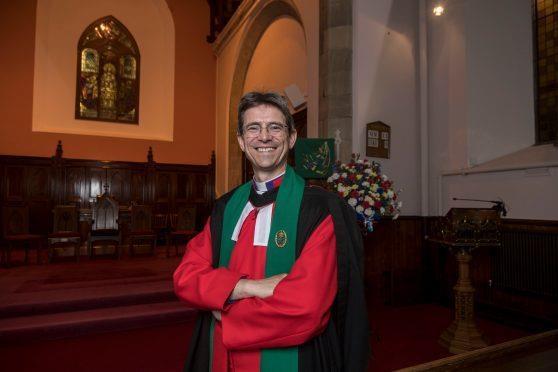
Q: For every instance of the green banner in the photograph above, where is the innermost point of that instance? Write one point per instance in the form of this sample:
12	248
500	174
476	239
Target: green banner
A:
314	157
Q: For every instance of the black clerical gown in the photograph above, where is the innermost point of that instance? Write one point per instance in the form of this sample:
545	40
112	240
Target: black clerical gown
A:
342	344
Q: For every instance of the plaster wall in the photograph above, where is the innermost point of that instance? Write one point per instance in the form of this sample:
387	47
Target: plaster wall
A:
385	37
192	69
57	35
279	59
228	54
481	111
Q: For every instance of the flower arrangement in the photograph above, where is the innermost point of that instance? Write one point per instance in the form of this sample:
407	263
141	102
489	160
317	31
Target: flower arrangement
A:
364	187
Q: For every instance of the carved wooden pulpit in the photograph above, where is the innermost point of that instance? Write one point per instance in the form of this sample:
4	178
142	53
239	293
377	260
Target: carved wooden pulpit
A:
462	230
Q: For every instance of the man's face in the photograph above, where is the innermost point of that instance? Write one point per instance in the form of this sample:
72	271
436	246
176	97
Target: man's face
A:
267	149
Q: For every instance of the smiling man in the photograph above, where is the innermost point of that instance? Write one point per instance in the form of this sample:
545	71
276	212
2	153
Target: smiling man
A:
277	270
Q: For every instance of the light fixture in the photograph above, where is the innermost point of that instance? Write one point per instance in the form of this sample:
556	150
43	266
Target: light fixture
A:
438	10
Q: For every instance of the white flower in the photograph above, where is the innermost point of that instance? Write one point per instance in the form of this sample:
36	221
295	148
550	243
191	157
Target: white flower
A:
384	177
366	184
329	179
359	208
335	176
368	212
340	188
344	175
352	202
390	194
382	210
368	171
368	199
399	204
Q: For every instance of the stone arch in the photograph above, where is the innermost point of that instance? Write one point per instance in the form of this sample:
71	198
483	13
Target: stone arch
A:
271	12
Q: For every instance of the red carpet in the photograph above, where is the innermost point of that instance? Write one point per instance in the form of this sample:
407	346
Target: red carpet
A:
121	316
408	335
158	349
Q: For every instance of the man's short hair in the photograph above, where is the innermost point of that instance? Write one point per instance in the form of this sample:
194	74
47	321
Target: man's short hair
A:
255	99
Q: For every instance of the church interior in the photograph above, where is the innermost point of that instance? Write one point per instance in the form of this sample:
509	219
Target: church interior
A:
118	132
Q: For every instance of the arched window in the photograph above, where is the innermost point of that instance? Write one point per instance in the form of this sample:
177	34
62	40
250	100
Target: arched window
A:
108	66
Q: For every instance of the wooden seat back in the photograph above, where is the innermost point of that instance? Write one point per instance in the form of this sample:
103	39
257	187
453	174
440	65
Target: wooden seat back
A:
105	213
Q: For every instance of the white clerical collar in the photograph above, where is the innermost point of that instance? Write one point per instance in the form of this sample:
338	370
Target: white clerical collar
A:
268	185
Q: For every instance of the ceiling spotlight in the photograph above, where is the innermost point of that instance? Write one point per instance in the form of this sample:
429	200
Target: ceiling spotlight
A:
438	10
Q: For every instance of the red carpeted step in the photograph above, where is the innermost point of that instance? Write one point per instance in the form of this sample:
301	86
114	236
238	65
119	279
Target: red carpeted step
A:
80	299
79	323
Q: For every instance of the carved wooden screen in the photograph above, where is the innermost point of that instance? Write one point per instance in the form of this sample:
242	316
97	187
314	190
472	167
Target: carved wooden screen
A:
546	67
108	66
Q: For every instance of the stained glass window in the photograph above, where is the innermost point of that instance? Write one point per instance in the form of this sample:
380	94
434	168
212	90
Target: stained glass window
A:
107	87
546	66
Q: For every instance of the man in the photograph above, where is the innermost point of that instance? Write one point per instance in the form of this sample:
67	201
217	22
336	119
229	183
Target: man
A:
277	269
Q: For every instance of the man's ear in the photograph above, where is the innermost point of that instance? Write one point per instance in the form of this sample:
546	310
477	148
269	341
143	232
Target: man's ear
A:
292	139
240	140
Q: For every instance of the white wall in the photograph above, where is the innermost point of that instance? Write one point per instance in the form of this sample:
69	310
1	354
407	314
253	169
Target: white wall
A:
481	110
499	59
57	35
385	39
479	103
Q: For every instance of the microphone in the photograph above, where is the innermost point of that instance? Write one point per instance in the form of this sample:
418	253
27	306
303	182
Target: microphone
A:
499	205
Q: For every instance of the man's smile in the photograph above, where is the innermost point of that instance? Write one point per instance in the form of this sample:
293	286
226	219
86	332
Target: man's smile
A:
265	149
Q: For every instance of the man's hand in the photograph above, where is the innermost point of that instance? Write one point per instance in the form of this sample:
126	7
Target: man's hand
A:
261	288
216	314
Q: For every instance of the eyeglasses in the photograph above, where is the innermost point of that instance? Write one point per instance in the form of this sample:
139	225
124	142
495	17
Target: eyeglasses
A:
274	129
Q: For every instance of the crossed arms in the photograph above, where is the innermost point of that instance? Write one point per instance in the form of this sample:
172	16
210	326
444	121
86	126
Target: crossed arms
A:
279	311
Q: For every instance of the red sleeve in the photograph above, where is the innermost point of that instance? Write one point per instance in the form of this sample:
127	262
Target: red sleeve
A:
196	282
299	308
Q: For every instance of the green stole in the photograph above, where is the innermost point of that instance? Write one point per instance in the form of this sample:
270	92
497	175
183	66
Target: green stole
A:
280	254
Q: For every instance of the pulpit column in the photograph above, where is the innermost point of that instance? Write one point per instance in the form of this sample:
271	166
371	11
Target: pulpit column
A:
463	335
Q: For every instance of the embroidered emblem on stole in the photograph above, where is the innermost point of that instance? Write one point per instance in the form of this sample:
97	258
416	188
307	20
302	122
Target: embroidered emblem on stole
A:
280	238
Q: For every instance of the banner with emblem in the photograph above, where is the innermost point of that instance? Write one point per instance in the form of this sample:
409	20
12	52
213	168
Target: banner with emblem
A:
314	157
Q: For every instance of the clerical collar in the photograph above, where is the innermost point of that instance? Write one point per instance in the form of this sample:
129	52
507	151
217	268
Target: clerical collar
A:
265	186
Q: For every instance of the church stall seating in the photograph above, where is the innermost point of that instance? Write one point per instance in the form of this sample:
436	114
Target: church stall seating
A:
64	231
183	227
141	230
15	230
41	183
161	226
104	225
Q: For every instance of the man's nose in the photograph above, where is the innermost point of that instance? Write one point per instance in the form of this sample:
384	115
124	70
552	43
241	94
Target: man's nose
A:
264	134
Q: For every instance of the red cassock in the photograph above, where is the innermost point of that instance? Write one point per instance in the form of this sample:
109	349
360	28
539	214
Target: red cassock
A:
298	310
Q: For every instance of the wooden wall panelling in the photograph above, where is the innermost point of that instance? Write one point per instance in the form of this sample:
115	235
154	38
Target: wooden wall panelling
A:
407	257
394	261
43	182
38	198
184	187
74	185
15	187
118	180
165	186
138	187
